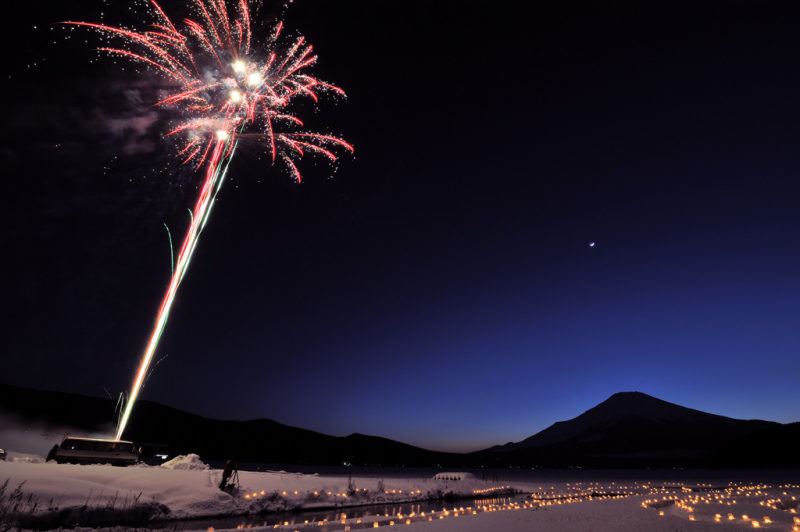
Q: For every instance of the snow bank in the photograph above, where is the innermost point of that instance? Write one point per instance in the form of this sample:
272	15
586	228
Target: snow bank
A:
188	489
23	457
189	462
177	493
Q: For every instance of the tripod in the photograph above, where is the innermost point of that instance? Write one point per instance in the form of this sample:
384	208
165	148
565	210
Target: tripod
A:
233	481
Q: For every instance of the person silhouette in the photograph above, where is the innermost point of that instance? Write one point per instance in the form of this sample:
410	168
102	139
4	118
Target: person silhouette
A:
230	467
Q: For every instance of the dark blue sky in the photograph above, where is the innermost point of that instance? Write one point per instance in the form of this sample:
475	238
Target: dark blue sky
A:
440	289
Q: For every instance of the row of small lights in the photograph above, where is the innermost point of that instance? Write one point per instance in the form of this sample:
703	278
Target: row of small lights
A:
455	512
746	491
412	492
779	504
491	490
685	504
256	494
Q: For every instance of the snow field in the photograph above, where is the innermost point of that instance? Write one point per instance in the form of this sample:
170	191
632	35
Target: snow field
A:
187	488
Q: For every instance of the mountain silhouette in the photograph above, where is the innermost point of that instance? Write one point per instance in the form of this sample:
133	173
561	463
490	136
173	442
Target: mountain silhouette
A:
631	428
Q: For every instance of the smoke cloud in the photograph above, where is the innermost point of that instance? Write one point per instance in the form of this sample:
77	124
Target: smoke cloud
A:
28	437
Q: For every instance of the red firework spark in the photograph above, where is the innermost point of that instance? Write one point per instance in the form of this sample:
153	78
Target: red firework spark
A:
225	90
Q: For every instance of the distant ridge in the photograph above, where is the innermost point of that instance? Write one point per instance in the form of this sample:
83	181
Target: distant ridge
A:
260	440
628	430
771	447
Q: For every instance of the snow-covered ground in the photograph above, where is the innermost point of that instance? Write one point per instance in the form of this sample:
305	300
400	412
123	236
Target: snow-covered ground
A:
184	488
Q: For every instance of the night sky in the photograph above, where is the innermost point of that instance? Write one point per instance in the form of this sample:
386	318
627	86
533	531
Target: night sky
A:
547	204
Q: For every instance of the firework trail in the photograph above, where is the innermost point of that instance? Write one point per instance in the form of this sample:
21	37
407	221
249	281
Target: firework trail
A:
229	89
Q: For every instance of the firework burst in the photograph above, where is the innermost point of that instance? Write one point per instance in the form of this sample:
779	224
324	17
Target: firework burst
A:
228	88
